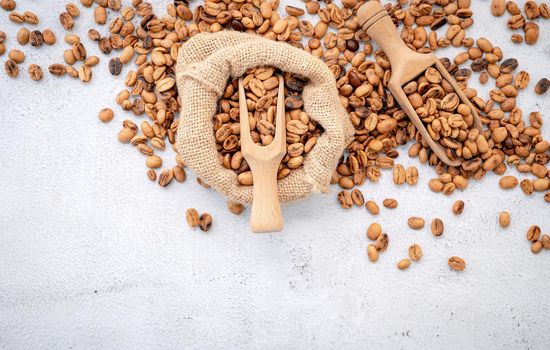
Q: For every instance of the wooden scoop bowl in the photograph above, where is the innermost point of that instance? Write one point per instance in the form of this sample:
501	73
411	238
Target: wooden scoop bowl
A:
406	65
264	163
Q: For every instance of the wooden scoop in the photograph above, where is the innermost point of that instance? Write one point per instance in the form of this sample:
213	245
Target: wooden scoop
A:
407	65
264	163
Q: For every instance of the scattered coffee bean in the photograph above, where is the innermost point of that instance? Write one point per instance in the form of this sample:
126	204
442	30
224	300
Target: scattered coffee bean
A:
437	227
416	223
374	230
415	252
390	203
192	217
542	86
115	66
504	219
372	207
533	233
458	207
456	263
35	72
372	253
205	222
11	68
235	207
106	115
404	264
57	69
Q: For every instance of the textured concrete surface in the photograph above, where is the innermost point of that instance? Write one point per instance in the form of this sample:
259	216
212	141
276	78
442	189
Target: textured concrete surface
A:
93	256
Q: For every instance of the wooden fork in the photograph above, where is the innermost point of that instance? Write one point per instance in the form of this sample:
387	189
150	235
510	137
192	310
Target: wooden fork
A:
264	163
406	65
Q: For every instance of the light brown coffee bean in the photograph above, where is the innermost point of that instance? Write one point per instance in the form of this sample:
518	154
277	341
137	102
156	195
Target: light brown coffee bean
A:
17	56
153	162
192	217
399	174
235	207
508	182
404	264
456	263
533	233
411	175
435	185
8	5
152	175
372	253
106	115
35	72
416	223
72	9
498	7
504	219
437	227
23	36
205	222
415	252
536	247
373	231
372	207
458	207
166	177
545	240
49	37
522	80
85	73
100	15
531	9
390	203
31	17
66	20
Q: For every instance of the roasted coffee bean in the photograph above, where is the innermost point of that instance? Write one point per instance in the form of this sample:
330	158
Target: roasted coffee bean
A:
205	222
372	207
542	86
437	227
415	252
11	68
504	219
533	233
458	207
66	20
23	36
115	66
235	207
36	38
49	37
403	264
35	72
192	217
372	253
415	223
57	69
373	231
456	263
390	203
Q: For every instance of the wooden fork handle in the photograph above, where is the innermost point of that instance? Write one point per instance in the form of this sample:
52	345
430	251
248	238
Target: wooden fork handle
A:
374	19
266	213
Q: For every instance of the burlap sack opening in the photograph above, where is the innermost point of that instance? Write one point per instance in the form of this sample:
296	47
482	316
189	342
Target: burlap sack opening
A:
206	63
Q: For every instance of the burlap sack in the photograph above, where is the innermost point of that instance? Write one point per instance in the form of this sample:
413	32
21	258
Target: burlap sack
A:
206	63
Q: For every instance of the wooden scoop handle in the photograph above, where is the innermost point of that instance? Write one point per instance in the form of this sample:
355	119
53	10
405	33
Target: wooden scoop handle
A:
377	23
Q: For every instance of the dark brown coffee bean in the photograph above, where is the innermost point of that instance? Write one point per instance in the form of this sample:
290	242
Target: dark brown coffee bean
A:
462	74
479	65
57	69
36	38
294	102
115	66
205	222
12	68
105	46
438	23
542	86
352	45
294	84
354	79
509	65
237	25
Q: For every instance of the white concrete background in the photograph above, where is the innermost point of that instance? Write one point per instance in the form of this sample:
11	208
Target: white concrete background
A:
94	256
